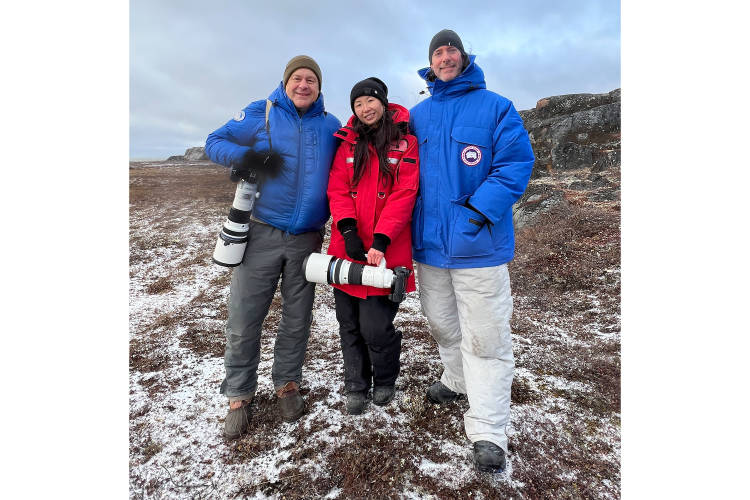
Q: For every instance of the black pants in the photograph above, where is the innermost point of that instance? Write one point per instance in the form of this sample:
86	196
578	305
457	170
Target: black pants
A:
370	344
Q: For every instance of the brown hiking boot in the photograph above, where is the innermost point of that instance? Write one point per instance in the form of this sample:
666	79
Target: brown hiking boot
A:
237	420
290	402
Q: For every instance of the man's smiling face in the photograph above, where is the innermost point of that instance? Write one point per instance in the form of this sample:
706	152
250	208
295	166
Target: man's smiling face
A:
303	88
447	62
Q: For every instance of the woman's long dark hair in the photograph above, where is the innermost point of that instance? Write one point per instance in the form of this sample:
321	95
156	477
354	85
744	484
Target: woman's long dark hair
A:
381	138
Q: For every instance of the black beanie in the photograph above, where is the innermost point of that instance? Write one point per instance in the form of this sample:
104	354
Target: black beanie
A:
369	86
446	37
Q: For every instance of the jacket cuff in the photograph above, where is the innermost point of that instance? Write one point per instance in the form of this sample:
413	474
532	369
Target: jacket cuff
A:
468	205
345	224
380	242
239	156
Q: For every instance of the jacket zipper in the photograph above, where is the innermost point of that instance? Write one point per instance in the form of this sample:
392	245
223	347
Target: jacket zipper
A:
300	172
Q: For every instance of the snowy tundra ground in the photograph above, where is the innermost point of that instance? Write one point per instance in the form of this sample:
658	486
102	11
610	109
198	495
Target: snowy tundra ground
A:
565	417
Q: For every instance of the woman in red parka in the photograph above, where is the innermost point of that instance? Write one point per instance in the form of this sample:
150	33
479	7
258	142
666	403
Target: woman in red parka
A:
371	189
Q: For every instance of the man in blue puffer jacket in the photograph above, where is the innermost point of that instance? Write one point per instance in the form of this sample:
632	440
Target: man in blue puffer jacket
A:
285	227
476	160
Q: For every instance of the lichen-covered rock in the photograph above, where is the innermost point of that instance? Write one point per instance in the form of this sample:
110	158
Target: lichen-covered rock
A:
537	199
576	141
574	131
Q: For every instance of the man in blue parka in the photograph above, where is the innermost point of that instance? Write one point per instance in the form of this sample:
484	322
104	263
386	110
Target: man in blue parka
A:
476	160
285	227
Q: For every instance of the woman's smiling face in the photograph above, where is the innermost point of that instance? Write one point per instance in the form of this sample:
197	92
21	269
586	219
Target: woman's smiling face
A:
368	109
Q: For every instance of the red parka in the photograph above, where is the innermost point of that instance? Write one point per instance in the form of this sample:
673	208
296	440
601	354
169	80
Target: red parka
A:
378	206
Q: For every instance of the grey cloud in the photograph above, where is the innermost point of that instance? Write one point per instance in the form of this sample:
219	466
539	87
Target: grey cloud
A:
194	64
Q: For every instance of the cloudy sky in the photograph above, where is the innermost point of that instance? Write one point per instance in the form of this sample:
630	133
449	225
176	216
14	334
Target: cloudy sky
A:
194	64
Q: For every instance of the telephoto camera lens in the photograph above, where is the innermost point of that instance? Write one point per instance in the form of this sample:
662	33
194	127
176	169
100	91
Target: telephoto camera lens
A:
327	269
232	240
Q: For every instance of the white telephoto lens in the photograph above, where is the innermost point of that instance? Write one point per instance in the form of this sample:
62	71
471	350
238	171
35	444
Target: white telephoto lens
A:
316	267
244	196
340	272
229	253
236	227
379	277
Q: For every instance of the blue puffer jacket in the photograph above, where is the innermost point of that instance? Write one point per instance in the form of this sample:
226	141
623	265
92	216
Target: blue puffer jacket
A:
472	147
296	200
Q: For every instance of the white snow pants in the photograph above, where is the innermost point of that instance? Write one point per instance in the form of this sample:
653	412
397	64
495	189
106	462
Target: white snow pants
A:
469	312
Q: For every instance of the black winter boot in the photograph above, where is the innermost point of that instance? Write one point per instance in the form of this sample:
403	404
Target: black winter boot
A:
438	393
488	457
355	402
383	395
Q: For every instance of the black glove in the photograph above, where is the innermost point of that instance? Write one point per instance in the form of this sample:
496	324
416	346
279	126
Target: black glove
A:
380	242
355	249
255	166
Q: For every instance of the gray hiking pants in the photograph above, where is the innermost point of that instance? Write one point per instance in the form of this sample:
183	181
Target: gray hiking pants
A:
270	254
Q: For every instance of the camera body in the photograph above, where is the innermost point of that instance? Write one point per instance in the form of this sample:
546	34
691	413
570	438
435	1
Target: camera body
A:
321	268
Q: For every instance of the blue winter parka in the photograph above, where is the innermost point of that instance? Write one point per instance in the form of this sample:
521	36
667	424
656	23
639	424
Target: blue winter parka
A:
295	201
472	148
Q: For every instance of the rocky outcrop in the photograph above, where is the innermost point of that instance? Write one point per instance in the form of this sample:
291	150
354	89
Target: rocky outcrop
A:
576	141
574	131
191	154
196	154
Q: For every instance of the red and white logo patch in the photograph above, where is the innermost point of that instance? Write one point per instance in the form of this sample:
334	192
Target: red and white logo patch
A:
400	146
471	155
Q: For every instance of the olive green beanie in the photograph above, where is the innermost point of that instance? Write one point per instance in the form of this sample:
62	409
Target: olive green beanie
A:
298	62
